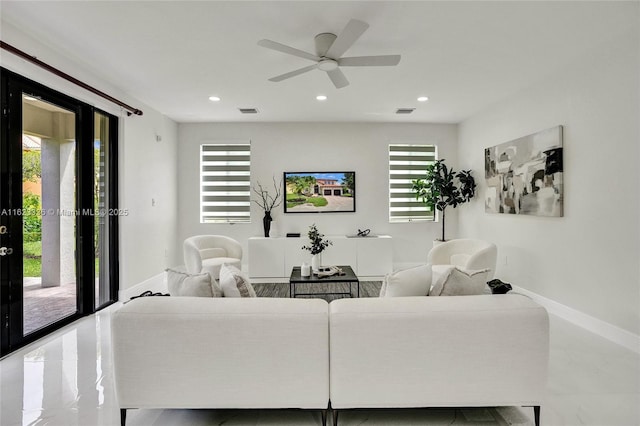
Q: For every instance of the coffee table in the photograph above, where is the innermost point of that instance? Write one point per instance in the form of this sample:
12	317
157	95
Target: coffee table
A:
348	277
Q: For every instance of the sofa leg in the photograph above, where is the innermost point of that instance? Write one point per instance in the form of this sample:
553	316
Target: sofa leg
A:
335	416
123	416
536	414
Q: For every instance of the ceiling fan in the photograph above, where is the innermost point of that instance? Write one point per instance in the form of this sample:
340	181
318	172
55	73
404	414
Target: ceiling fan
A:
329	49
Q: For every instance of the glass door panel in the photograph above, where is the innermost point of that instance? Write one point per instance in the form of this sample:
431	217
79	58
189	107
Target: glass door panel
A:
101	204
48	213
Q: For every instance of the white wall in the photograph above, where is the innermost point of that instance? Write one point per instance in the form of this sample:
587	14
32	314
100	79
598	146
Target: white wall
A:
588	259
147	168
148	189
279	147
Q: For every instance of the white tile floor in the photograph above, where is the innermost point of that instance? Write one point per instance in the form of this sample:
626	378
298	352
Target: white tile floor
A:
66	380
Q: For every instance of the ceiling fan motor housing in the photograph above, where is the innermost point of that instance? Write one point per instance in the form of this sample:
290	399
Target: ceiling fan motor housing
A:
323	43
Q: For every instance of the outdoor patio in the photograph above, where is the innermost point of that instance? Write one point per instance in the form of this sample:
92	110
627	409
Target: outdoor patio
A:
42	306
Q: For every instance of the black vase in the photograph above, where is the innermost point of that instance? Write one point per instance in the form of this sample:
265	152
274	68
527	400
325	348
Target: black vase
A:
266	222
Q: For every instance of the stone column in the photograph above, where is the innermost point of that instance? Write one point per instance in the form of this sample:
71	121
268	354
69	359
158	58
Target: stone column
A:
50	160
58	203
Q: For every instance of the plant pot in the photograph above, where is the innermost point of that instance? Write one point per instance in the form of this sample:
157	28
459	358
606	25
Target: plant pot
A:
316	262
274	230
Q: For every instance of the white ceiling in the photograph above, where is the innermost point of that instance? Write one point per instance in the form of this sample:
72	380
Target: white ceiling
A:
173	55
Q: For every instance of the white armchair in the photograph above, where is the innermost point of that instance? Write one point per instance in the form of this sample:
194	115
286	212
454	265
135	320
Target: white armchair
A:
207	253
466	254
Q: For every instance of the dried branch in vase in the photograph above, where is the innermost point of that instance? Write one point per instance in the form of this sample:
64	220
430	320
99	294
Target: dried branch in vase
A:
265	200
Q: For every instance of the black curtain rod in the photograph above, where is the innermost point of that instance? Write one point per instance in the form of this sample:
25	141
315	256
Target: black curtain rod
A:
67	77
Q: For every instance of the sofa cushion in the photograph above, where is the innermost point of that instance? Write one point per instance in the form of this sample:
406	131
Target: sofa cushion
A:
181	283
235	283
408	282
459	282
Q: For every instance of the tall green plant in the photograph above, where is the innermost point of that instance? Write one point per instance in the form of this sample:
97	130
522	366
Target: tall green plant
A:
443	187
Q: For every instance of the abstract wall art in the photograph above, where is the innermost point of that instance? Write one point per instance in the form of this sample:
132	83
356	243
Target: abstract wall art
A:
524	176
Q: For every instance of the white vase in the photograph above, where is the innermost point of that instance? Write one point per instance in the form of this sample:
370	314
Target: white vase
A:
274	231
316	262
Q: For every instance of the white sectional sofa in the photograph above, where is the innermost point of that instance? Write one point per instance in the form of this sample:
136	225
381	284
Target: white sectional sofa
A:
457	351
196	352
172	352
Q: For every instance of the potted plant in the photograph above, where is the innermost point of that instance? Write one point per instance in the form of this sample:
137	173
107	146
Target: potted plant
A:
316	246
442	187
268	202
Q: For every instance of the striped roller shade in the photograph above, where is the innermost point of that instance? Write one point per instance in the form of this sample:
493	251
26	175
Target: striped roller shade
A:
225	183
406	163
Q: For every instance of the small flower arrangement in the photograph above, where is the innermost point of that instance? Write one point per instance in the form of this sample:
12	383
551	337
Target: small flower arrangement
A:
318	243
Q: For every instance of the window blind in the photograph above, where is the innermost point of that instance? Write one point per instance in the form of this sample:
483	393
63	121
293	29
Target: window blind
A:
225	183
406	163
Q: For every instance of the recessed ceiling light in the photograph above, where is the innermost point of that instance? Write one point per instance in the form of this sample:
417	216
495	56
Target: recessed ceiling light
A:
214	98
321	97
423	99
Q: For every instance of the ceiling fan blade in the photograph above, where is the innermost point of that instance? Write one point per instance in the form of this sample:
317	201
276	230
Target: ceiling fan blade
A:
338	78
287	49
367	61
346	38
293	73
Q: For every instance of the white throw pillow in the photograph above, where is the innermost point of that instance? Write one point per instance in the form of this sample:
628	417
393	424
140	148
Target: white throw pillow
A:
458	282
408	282
215	287
235	283
181	283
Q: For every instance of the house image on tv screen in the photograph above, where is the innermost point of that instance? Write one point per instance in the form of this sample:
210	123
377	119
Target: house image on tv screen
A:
320	192
328	187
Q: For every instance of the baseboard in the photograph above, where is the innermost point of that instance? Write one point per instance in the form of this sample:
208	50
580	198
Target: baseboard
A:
279	280
157	284
362	278
601	328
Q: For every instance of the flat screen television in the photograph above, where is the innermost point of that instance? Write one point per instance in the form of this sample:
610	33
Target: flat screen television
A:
319	192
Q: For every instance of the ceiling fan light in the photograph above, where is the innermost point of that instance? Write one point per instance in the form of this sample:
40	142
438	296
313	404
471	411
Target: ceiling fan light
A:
214	98
423	99
321	97
327	65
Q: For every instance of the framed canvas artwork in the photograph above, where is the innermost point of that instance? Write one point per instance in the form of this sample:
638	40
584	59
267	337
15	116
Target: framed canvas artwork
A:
524	176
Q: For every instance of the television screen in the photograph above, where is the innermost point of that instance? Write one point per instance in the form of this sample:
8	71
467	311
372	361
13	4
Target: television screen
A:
320	192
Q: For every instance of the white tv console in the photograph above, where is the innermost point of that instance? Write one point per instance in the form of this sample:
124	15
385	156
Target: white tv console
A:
274	258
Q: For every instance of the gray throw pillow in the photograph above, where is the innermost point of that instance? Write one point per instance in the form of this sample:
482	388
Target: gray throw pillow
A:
181	283
458	282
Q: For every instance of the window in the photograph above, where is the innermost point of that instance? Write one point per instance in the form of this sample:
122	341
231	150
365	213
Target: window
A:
225	186
406	163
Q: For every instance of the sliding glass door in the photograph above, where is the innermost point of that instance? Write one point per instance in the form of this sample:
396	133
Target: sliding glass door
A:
49	201
56	192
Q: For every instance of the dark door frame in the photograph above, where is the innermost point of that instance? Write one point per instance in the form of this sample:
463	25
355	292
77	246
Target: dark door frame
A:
11	292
